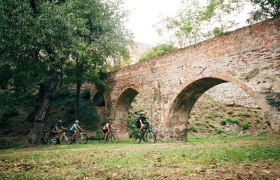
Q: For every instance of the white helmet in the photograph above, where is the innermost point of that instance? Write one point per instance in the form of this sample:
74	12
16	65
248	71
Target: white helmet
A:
76	121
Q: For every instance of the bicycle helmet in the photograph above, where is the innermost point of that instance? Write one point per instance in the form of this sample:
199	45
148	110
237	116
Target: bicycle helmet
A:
142	113
76	121
59	121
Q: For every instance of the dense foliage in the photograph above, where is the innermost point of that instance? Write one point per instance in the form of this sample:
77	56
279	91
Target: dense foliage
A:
157	51
267	9
45	44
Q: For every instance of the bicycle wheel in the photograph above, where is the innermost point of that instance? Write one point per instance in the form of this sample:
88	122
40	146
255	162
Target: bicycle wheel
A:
82	138
45	140
52	140
114	138
150	137
136	137
100	137
65	139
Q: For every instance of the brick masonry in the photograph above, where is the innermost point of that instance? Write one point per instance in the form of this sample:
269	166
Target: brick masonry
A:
248	58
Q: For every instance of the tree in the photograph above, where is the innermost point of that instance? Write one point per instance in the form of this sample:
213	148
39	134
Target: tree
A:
197	21
34	44
39	37
266	9
157	51
100	34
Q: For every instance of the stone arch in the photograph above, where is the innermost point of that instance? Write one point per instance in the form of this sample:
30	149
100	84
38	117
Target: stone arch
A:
99	102
182	103
98	99
122	107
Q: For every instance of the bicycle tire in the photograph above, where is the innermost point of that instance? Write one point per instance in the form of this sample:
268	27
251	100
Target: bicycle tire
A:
114	138
150	137
45	139
65	139
100	137
82	139
52	140
136	137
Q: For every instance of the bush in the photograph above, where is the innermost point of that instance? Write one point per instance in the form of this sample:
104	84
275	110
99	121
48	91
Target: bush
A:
192	129
219	131
157	51
88	115
245	125
229	120
223	122
85	94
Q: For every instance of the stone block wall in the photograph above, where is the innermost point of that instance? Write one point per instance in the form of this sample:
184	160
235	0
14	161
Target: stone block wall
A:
231	94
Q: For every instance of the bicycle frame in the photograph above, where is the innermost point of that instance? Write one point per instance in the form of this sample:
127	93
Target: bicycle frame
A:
80	137
146	135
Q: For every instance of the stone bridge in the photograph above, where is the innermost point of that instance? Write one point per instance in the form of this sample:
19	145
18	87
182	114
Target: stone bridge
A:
171	84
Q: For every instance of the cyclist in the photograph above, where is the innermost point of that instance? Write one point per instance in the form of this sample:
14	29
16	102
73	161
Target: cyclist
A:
58	130
75	128
142	122
107	128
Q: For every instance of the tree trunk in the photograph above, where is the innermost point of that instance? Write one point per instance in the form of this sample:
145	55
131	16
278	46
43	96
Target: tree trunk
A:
78	92
45	93
79	68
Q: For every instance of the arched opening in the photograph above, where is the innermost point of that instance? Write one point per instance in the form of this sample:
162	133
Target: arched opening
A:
123	107
201	108
98	102
98	99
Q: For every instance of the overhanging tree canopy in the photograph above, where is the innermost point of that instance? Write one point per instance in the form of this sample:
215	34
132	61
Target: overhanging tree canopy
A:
39	37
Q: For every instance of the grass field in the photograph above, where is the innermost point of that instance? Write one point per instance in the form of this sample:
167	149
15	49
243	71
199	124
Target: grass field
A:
251	157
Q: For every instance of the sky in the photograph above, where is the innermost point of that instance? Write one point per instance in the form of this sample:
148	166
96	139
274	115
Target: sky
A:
146	13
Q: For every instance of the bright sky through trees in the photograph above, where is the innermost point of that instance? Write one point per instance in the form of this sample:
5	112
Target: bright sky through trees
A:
144	14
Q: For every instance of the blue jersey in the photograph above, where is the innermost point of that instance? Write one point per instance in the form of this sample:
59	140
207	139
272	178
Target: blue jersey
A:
74	127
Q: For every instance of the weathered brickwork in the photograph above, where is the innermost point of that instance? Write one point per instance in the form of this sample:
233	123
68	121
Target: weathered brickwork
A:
248	58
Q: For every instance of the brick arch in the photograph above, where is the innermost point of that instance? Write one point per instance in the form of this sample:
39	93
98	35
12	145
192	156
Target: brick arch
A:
190	92
98	99
122	106
130	87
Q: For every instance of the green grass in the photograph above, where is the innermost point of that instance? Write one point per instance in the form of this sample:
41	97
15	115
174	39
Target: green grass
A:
126	160
262	137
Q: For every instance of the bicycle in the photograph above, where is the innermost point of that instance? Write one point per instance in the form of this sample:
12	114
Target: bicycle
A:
112	136
45	137
63	138
80	137
148	135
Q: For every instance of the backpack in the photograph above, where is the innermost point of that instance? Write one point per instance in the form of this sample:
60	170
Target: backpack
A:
137	122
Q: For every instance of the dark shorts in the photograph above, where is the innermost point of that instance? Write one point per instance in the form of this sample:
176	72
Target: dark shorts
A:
105	131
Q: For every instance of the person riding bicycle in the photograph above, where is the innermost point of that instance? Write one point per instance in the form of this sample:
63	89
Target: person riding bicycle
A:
107	128
75	128
142	122
58	130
